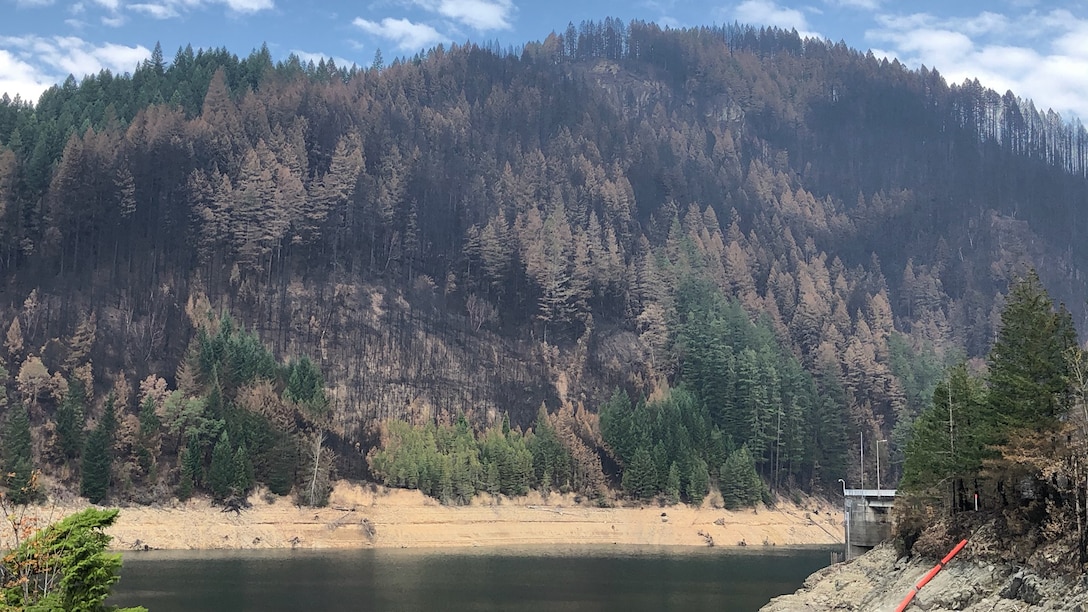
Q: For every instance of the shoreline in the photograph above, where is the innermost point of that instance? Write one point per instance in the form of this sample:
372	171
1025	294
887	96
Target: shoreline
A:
364	516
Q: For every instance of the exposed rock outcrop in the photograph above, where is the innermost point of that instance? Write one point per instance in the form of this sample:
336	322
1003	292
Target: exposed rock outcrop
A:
877	581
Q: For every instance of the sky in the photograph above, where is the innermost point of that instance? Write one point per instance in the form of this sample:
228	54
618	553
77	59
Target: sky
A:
1038	49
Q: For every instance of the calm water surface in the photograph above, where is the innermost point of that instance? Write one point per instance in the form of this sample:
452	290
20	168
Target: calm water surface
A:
545	579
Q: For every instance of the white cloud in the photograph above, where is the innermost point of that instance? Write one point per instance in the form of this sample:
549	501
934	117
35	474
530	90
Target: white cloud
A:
155	11
669	22
480	15
29	64
1042	56
169	9
114	22
306	56
33	3
249	6
109	5
408	36
869	5
766	12
20	78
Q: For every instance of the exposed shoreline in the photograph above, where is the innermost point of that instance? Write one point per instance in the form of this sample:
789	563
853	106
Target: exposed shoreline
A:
361	516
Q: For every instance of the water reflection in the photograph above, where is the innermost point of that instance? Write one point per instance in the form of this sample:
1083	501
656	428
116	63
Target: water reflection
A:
534	578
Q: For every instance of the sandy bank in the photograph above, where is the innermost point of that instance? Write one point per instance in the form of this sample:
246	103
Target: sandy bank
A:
361	516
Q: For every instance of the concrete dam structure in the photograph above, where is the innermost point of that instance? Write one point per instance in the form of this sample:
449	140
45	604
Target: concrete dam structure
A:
868	518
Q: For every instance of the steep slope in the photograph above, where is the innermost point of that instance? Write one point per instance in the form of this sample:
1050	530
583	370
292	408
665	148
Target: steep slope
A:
479	232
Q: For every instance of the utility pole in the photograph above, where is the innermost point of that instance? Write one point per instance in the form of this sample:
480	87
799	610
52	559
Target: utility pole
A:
845	521
861	444
878	466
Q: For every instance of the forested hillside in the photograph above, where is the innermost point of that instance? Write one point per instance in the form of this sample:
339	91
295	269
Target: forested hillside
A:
697	249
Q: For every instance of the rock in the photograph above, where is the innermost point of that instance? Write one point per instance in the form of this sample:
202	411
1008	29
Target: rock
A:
1011	590
1029	592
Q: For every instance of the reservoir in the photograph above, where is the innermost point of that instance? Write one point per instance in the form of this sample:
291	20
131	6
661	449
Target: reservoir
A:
624	579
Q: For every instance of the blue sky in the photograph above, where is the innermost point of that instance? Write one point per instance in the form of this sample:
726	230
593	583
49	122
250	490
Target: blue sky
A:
1037	49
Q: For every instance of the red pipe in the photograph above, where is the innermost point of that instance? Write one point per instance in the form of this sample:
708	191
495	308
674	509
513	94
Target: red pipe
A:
929	576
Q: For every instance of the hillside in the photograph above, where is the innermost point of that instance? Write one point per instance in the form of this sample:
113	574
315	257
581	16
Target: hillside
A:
800	234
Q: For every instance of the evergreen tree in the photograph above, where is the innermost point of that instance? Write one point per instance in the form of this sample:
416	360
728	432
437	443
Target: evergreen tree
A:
98	455
70	420
950	440
186	481
640	477
698	482
18	466
72	550
221	476
672	484
1028	373
97	462
281	466
739	483
242	466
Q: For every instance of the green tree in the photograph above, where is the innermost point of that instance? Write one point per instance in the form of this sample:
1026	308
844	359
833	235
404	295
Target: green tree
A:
242	466
640	477
698	482
739	482
1028	373
306	386
63	567
672	484
18	466
221	477
951	438
98	456
186	481
70	420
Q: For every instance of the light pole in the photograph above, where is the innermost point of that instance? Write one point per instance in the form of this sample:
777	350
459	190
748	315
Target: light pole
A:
878	466
845	521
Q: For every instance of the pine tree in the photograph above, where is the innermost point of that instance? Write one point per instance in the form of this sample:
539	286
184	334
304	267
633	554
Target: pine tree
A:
98	456
1028	370
740	485
70	420
950	439
242	466
221	473
698	482
640	477
97	461
672	484
186	482
18	466
281	466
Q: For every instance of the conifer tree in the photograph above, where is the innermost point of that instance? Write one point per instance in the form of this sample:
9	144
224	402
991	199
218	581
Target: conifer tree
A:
242	466
221	473
698	482
740	485
186	481
70	420
18	466
96	466
672	484
98	456
1028	373
640	477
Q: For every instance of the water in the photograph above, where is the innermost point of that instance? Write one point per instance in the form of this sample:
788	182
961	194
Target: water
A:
545	579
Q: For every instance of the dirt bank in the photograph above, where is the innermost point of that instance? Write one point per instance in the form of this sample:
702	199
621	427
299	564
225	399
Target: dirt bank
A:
364	516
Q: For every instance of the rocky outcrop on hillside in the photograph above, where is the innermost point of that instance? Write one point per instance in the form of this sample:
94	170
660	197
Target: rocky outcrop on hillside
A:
877	581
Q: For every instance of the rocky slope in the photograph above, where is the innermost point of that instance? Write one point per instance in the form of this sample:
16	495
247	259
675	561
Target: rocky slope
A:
878	581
